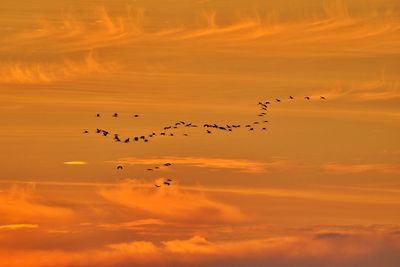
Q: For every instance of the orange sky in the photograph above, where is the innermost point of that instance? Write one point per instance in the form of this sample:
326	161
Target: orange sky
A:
320	186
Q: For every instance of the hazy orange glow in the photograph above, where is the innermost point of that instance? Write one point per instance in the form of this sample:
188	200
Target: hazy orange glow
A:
319	186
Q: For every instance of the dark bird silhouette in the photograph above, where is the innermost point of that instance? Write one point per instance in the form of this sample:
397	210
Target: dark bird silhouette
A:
307	97
115	115
98	130
156	167
136	138
251	129
169	180
264	129
278	100
105	133
323	97
157	185
149	169
291	97
97	115
135	115
208	131
126	140
167	183
167	164
185	134
119	167
86	131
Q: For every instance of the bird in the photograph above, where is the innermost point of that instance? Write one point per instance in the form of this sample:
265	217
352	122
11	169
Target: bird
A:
149	169
105	133
97	115
278	100
167	183
135	115
264	129
323	97
169	180
98	130
119	167
208	131
291	97
126	140
156	167
185	134
167	164
157	185
251	129
307	97
86	132
115	115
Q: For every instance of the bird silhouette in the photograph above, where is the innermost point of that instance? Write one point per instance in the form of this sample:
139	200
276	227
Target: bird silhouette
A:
119	167
278	100
307	97
323	97
97	115
291	97
98	130
86	132
135	115
115	115
126	140
167	183
157	185
167	164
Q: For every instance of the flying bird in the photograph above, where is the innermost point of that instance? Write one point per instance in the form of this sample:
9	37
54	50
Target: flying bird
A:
115	115
86	132
307	97
119	167
323	97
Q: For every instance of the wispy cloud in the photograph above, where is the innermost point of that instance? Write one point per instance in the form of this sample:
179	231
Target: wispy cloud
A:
76	162
242	165
172	203
18	226
361	168
44	73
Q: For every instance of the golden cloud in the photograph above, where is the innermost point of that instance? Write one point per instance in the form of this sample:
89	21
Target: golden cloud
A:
172	202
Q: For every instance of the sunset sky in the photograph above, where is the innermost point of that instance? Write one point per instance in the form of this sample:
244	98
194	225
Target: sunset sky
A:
319	187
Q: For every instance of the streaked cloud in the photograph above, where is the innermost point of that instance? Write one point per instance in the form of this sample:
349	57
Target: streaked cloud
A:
361	168
76	162
242	165
18	226
44	73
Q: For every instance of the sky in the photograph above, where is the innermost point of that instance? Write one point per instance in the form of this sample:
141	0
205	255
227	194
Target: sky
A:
319	187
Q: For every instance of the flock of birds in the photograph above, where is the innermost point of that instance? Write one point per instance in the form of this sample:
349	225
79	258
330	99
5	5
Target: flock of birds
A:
208	127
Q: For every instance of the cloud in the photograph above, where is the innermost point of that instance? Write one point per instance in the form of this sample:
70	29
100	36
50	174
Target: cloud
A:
18	226
19	203
242	165
44	73
75	163
366	249
361	168
137	224
172	203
